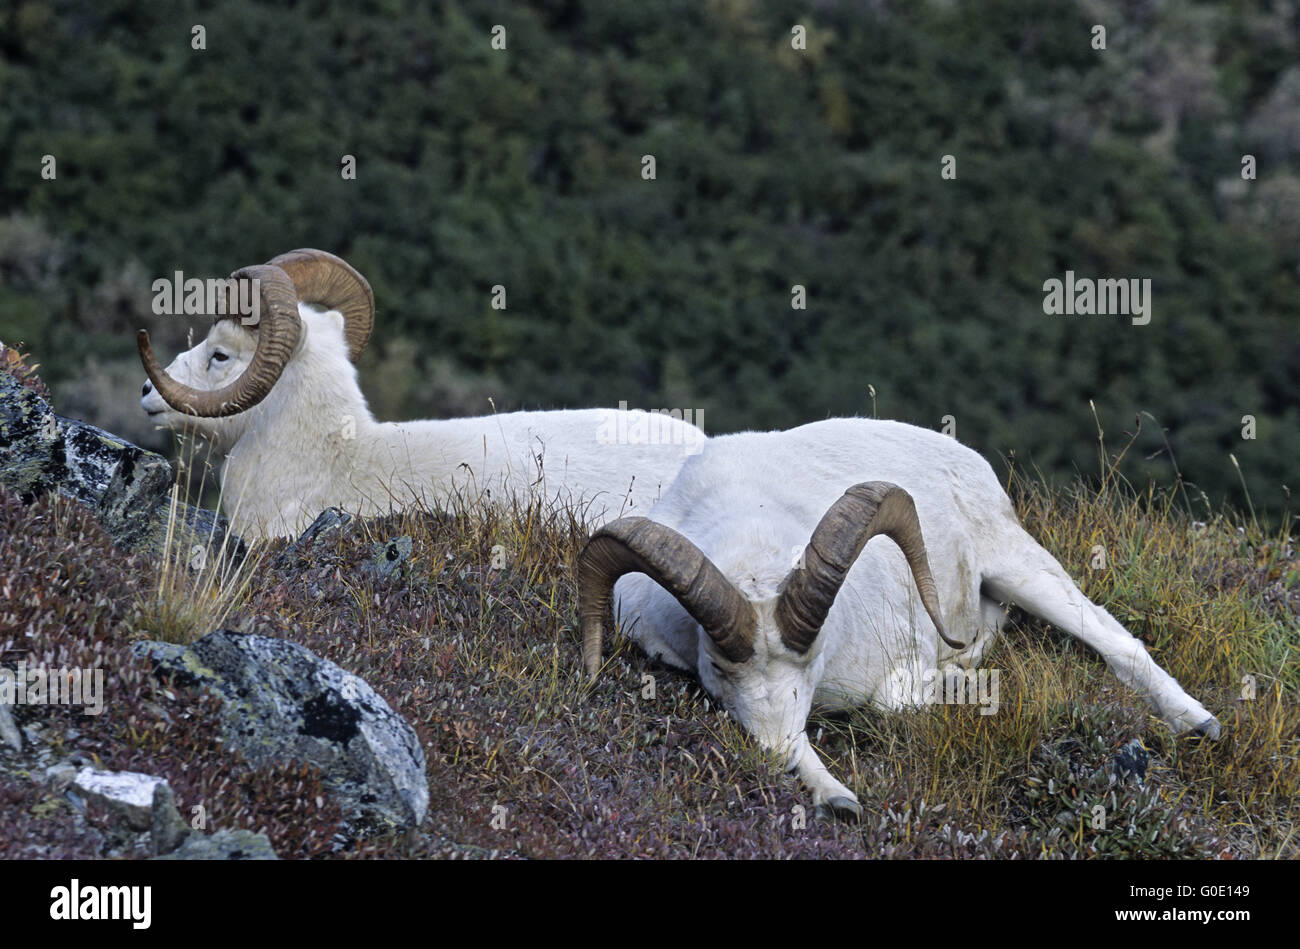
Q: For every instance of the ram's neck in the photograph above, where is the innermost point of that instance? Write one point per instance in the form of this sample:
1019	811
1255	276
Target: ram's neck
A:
293	458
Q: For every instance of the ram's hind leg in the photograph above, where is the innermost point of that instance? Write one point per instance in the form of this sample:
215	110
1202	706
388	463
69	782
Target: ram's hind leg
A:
1031	578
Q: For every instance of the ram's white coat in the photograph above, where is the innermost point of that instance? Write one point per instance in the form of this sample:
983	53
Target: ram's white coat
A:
751	501
313	443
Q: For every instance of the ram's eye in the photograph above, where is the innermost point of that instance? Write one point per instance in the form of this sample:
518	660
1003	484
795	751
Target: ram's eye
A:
219	356
716	668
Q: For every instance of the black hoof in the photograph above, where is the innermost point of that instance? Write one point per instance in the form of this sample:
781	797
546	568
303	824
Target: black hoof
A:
842	808
1208	729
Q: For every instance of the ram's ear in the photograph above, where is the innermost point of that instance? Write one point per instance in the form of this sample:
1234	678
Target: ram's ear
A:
336	319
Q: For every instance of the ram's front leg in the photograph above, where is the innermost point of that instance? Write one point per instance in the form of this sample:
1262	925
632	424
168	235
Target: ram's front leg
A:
829	796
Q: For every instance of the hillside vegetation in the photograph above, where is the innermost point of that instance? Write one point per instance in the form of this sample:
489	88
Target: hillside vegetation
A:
775	167
473	639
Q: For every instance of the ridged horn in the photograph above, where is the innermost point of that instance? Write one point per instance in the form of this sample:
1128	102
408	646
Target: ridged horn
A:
640	545
865	510
331	281
279	329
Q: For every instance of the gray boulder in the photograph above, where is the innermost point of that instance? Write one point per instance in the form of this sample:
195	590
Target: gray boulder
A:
281	702
167	829
126	485
45	452
223	845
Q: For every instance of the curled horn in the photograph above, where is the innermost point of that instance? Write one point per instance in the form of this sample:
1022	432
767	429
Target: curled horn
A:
640	545
278	332
331	281
865	510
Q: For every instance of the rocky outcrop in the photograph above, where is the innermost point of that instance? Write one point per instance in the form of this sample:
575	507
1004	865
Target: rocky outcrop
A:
127	486
281	702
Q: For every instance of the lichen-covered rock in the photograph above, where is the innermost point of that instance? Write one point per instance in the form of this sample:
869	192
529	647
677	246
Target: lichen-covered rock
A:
126	485
390	560
46	452
223	845
194	527
167	829
327	524
281	702
136	487
317	544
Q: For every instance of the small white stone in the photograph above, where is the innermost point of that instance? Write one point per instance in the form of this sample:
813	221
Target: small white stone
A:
127	792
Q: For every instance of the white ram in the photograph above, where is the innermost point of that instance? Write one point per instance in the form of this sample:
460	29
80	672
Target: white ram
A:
758	544
280	401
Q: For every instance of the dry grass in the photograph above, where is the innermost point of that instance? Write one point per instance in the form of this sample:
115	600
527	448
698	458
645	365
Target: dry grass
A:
202	580
473	639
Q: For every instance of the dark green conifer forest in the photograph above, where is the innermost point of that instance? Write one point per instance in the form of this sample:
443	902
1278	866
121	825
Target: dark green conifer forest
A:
1169	155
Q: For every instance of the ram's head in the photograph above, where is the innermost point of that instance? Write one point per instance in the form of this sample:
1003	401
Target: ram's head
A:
760	659
236	366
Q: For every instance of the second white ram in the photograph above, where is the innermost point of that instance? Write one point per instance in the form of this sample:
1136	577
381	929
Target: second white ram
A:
751	573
